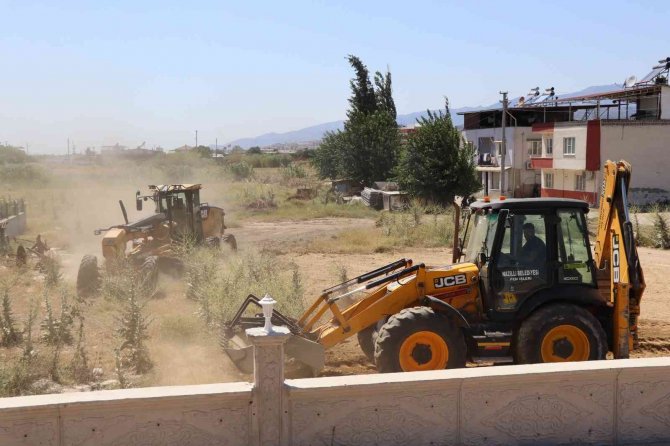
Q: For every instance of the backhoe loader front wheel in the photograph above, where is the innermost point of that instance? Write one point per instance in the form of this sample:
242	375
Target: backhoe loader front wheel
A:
560	333
88	276
368	337
419	339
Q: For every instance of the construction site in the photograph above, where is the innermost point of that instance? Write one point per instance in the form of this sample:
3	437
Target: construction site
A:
355	223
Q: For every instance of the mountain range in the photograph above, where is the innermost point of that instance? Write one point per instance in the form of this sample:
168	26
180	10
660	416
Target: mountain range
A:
316	132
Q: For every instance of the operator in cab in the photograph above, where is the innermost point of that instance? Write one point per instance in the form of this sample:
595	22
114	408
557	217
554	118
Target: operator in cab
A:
534	251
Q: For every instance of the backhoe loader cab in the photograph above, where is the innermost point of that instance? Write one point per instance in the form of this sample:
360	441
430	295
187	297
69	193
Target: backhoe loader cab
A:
529	251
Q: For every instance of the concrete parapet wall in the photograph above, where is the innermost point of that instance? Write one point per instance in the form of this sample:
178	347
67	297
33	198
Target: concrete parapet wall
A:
604	402
190	415
601	403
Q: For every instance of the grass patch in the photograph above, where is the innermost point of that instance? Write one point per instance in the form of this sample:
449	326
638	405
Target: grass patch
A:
179	328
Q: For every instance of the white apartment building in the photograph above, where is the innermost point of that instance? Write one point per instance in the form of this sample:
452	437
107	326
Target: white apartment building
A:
556	146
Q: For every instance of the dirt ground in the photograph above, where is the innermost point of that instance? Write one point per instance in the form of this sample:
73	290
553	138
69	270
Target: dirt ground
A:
321	270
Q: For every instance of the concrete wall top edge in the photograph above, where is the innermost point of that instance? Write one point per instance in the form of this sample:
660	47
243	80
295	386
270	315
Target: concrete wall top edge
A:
235	390
343	382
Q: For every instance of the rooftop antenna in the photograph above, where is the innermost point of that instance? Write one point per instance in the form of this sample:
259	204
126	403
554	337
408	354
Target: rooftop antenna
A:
630	81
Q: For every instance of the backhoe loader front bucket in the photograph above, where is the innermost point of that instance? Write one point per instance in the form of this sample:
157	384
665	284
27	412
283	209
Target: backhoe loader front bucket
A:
238	348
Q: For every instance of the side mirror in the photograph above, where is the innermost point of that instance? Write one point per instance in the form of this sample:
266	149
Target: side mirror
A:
138	201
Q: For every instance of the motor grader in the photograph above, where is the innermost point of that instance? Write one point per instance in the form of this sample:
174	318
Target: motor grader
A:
148	242
525	288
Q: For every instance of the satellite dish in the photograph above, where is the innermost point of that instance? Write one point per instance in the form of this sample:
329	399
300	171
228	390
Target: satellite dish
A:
630	81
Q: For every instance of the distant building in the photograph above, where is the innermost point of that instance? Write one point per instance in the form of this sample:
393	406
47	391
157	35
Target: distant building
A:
556	145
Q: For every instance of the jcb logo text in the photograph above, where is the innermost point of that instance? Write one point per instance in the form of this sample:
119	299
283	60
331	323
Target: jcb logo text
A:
443	282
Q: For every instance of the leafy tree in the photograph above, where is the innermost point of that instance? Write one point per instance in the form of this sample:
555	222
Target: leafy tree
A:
254	149
203	151
367	149
437	164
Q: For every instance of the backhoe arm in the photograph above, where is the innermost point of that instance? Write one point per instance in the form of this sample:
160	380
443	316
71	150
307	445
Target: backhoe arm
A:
615	249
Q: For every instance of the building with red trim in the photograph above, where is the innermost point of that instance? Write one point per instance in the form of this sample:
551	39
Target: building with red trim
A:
555	146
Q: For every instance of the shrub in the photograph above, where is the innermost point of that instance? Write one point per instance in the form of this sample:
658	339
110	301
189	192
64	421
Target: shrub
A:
221	291
241	170
10	335
258	197
133	331
661	231
58	330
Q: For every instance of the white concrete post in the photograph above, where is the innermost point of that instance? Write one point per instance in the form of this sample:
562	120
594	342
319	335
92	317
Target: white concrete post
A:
268	384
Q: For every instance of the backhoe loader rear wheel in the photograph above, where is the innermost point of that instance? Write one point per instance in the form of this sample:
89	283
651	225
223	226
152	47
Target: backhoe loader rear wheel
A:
88	276
417	339
229	239
560	333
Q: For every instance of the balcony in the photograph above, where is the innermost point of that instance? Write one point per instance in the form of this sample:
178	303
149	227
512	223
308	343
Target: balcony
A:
541	163
486	159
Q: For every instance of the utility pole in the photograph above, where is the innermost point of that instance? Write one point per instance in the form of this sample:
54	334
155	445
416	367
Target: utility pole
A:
68	148
216	145
196	138
503	148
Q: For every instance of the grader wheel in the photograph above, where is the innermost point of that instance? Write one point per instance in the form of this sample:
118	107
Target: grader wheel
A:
88	276
229	239
560	333
149	275
419	339
21	256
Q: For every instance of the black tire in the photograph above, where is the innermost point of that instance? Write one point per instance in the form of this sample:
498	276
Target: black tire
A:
171	266
229	239
565	330
21	256
213	242
404	327
88	276
149	275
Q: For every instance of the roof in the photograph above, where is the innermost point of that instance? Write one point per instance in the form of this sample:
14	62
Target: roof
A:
529	203
175	187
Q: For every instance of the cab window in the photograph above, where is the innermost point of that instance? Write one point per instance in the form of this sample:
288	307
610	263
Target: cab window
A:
574	253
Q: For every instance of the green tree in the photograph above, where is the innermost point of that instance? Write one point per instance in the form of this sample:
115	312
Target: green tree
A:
254	150
367	149
436	164
203	151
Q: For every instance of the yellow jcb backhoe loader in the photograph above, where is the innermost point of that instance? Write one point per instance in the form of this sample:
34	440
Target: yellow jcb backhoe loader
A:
526	289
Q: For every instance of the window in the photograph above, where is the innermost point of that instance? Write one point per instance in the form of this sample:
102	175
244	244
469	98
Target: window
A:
495	180
580	181
549	146
498	147
535	147
574	257
548	180
569	146
520	267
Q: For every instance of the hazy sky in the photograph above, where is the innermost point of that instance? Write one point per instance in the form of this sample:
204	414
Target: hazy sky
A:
133	71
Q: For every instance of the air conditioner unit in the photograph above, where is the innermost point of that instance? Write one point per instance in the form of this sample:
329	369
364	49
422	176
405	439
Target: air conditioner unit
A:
529	165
